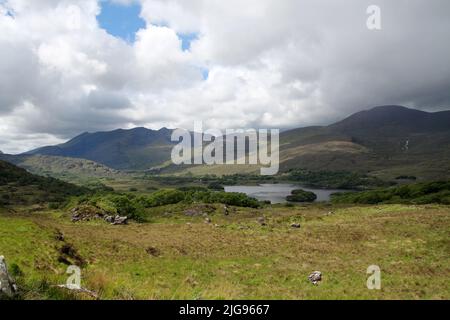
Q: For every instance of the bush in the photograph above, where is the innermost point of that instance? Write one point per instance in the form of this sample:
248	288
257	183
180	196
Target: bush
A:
122	205
197	194
300	195
216	186
163	197
15	270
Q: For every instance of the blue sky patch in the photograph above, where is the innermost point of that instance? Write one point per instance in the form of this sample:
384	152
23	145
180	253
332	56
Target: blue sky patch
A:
186	40
122	21
205	74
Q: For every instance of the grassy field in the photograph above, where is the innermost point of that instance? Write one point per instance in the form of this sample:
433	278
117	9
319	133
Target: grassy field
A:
175	256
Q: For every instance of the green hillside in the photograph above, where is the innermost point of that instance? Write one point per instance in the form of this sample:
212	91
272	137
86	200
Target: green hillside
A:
135	149
18	186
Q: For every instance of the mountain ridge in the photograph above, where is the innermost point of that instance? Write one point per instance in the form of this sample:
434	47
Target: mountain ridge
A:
375	139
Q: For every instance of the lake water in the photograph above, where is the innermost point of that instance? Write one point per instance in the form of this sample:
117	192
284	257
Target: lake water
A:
277	193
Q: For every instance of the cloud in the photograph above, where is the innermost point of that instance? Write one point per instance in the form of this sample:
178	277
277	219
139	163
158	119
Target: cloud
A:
271	64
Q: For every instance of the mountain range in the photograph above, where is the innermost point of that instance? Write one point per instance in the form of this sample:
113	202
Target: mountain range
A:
386	141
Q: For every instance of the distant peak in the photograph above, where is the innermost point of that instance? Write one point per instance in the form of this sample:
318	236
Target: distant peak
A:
390	107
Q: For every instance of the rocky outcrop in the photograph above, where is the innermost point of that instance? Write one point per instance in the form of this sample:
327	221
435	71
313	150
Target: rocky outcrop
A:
88	213
118	220
8	287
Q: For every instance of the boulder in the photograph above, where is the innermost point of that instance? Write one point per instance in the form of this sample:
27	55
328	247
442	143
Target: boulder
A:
118	220
315	277
8	288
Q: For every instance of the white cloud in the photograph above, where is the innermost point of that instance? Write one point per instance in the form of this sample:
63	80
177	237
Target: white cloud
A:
271	64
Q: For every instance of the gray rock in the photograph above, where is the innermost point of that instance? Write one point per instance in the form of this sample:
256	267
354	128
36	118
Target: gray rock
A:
262	221
118	220
109	219
315	277
296	225
8	288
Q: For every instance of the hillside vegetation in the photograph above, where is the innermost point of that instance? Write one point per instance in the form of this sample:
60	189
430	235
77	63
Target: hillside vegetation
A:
17	186
422	193
179	256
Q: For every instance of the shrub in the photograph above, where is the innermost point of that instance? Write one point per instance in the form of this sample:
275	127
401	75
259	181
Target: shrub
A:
300	195
164	197
195	194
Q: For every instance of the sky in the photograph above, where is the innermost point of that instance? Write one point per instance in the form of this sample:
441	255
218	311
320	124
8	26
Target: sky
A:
71	66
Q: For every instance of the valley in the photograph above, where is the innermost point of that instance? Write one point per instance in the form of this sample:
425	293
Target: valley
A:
141	228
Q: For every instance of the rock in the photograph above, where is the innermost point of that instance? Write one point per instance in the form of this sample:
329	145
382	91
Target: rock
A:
208	220
8	287
226	211
86	213
109	219
315	277
296	225
118	220
262	221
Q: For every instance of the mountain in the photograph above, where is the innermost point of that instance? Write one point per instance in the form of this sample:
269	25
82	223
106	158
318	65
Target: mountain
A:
135	149
386	141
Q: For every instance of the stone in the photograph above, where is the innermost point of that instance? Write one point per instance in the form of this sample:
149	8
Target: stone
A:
208	220
296	225
118	220
315	277
8	287
109	219
262	221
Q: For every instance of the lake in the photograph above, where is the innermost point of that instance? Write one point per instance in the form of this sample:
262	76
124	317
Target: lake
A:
277	193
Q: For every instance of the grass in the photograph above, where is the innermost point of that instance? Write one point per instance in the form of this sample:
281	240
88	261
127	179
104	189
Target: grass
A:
239	259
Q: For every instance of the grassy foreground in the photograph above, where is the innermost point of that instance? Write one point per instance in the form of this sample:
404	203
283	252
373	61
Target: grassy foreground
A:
234	257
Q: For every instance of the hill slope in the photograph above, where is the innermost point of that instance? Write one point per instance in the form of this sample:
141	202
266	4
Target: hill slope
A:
135	149
19	186
384	138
